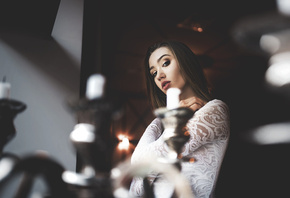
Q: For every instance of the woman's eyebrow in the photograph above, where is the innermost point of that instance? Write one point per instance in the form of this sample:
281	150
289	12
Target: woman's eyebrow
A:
158	60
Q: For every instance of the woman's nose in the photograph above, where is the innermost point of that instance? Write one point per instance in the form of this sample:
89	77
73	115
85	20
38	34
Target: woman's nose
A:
160	74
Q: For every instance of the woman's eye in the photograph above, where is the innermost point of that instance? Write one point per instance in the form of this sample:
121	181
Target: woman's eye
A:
154	74
166	63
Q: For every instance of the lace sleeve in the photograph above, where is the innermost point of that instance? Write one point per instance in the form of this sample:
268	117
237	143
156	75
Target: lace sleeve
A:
208	124
149	144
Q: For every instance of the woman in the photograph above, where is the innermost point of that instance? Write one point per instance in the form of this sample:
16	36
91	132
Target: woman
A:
172	64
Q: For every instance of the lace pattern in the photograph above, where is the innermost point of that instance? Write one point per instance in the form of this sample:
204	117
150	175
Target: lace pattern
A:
209	135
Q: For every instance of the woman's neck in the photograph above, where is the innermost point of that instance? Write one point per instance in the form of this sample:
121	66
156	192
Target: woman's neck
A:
186	92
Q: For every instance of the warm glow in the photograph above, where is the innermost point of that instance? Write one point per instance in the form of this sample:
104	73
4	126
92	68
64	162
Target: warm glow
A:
124	143
186	133
199	29
194	25
191	160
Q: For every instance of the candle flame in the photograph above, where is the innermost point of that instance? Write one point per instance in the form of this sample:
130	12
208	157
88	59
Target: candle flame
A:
124	143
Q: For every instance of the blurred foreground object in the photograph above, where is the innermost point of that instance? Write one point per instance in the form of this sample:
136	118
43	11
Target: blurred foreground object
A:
9	109
268	34
93	141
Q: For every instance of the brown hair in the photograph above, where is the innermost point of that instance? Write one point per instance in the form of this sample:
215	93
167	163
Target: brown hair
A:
190	69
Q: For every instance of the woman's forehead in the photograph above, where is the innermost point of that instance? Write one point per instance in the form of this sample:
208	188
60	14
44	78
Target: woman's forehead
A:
155	56
161	50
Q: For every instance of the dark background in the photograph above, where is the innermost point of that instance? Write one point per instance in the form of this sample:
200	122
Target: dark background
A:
116	35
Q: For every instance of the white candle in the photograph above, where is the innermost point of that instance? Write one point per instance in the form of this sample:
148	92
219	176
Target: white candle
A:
4	90
95	86
172	99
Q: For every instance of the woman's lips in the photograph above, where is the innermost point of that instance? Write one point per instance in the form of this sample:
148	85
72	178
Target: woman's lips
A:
165	85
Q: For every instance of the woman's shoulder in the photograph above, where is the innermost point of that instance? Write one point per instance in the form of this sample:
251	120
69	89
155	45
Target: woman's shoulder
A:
217	105
216	102
156	122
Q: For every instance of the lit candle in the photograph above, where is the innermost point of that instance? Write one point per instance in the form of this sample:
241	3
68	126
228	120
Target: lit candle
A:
4	89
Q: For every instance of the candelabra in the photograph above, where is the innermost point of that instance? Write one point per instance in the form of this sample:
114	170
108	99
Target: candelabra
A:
93	142
91	137
29	167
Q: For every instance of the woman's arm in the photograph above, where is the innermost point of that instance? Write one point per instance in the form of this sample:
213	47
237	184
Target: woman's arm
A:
149	144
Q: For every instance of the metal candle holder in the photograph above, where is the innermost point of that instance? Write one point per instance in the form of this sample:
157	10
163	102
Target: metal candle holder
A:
9	109
93	143
175	132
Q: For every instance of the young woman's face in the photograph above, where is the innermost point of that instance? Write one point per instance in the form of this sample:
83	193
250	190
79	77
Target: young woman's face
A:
165	70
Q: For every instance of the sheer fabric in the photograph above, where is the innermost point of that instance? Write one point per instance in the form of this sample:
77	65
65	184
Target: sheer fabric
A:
209	135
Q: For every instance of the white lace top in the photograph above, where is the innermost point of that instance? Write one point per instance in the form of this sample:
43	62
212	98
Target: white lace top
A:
209	135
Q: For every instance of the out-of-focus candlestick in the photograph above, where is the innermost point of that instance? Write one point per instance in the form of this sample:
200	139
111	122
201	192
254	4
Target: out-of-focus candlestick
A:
4	89
174	119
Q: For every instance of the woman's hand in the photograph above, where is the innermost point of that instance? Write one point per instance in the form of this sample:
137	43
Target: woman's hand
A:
193	103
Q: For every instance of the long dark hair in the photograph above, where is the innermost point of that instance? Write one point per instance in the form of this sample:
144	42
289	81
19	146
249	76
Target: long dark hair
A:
190	69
